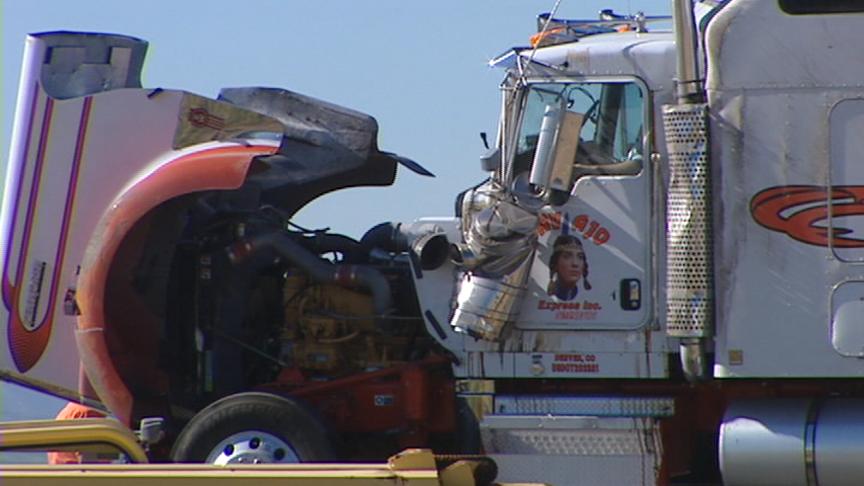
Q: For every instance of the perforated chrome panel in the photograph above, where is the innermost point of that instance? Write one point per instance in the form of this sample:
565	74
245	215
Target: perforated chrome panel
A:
563	435
689	239
585	406
570	450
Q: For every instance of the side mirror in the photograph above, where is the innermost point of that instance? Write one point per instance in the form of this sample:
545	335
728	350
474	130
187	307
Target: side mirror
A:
491	160
552	169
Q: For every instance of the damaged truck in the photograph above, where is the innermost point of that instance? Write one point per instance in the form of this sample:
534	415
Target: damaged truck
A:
657	282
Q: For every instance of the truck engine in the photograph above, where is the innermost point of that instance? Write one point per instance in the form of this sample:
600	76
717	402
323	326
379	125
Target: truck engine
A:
305	308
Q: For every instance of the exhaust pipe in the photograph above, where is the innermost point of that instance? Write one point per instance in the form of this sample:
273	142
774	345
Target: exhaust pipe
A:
689	88
689	234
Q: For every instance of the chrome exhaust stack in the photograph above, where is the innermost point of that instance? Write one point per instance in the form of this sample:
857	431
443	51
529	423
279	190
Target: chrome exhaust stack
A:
689	235
689	85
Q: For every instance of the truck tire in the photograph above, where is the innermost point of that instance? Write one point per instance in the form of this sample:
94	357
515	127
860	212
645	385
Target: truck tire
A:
250	428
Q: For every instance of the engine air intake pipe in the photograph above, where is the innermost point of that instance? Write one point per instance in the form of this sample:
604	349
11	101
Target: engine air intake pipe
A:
318	269
432	249
386	236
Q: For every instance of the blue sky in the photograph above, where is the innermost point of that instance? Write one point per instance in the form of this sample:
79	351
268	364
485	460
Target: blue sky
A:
418	67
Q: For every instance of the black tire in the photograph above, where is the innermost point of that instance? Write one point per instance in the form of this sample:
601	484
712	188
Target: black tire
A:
235	415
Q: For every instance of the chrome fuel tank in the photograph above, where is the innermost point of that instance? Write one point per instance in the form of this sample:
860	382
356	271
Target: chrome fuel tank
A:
792	442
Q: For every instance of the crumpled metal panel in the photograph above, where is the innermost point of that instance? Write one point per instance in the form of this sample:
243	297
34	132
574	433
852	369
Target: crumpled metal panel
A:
308	119
500	235
497	229
689	278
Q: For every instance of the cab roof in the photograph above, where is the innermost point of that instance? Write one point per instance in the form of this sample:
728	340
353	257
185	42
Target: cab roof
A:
646	55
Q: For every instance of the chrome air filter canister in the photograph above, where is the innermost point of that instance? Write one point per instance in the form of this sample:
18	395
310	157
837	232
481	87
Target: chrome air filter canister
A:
485	306
499	240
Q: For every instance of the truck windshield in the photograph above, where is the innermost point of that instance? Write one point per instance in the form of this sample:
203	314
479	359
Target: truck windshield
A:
612	128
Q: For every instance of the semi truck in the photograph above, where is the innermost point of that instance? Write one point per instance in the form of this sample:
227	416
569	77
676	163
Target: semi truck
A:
654	281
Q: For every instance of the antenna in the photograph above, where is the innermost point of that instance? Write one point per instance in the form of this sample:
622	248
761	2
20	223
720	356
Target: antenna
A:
546	25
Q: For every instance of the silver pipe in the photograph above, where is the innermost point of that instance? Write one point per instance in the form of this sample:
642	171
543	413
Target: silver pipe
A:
689	86
690	300
694	359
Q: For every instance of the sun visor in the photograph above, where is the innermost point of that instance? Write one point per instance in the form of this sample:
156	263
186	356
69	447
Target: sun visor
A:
507	60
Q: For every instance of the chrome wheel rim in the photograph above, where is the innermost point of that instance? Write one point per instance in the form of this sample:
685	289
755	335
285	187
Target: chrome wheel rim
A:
252	447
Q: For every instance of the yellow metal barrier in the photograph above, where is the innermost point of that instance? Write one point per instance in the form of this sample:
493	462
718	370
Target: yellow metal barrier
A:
413	467
84	435
410	468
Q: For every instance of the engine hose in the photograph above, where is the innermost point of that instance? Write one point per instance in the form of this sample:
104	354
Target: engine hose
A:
319	270
385	236
321	243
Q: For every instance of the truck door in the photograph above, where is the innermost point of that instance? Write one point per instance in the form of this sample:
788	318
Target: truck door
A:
592	266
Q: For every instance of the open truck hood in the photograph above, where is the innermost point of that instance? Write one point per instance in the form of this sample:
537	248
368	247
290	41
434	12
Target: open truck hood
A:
92	153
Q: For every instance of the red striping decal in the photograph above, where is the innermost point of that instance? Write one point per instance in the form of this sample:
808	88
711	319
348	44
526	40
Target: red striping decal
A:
799	211
28	345
7	283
